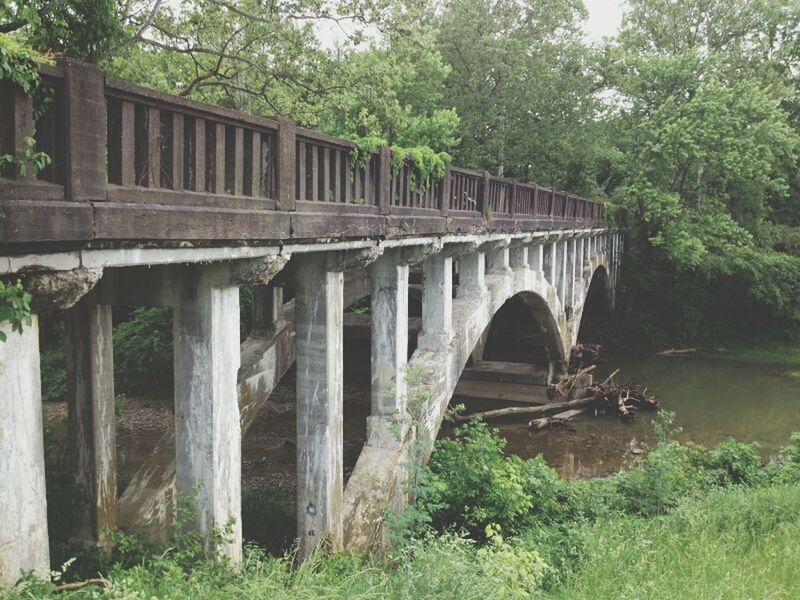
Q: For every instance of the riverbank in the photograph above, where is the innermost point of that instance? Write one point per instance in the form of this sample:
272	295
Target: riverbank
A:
685	523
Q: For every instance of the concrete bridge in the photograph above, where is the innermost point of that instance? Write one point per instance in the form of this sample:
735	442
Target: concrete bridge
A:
157	200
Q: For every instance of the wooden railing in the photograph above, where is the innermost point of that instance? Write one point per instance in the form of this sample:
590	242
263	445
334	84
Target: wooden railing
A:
142	152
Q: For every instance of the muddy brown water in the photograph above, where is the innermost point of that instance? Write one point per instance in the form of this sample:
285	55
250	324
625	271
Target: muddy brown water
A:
712	400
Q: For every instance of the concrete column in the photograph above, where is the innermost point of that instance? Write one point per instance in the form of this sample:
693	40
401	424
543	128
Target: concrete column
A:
497	261
267	307
518	257
437	301
207	432
572	260
563	260
471	275
319	307
389	280
538	258
23	507
554	266
92	422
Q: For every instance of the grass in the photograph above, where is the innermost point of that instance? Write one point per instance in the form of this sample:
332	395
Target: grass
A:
737	543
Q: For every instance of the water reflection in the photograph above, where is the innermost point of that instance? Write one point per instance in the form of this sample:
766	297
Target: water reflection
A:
713	400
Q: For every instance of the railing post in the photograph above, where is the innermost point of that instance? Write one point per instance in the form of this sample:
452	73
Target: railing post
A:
512	204
384	179
486	201
446	196
85	119
286	164
16	110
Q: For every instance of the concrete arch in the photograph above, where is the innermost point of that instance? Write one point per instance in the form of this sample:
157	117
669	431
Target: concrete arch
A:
525	274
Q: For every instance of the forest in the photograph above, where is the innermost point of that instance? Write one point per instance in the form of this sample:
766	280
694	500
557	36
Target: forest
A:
686	123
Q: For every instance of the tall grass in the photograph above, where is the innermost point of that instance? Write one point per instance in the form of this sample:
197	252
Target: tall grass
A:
736	543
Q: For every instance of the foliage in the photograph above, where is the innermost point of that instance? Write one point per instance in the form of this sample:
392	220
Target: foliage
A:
471	484
269	518
25	162
18	62
15	307
143	350
54	375
735	463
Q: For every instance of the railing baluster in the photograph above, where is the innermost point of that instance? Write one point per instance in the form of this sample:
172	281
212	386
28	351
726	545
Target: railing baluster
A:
238	155
348	170
314	173
177	151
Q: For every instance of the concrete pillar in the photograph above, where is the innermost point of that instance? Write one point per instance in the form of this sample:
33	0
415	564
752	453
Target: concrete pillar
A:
497	261
92	422
437	301
267	307
572	259
518	257
563	260
555	265
23	507
318	323
389	280
471	275
207	432
538	259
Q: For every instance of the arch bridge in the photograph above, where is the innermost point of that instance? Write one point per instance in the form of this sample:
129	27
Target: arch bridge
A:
157	200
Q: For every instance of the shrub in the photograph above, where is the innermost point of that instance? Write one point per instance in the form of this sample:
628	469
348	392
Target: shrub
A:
143	350
471	484
269	518
733	462
54	375
669	473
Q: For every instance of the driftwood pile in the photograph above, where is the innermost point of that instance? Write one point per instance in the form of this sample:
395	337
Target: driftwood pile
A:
584	355
600	398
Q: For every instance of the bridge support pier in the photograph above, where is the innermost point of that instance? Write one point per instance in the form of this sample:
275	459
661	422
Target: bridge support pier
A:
389	279
319	313
437	302
92	422
23	507
207	430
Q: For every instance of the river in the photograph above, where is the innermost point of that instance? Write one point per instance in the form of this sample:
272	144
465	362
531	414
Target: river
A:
712	400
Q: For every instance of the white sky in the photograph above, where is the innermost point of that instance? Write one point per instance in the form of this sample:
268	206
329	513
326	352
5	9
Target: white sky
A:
604	19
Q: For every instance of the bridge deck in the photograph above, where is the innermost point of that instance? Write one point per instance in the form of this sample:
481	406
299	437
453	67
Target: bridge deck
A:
133	164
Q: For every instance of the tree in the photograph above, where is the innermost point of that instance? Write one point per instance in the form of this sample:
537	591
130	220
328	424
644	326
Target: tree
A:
522	85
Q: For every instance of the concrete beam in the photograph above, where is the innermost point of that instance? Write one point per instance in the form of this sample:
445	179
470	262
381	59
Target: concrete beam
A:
318	322
23	505
207	431
92	422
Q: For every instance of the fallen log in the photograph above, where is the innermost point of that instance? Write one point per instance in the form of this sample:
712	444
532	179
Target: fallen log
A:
557	419
542	409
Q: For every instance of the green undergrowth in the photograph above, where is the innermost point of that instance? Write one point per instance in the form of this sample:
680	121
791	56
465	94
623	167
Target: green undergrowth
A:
686	522
768	354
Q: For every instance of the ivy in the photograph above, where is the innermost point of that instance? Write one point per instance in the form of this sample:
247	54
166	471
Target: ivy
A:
15	306
26	161
426	165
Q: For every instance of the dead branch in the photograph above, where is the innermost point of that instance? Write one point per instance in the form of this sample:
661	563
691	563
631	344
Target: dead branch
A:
557	419
71	587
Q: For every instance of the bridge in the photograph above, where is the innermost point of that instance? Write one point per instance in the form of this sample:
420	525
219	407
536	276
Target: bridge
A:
157	200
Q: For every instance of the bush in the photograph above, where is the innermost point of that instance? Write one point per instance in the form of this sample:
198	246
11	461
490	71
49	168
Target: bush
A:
734	463
54	375
471	484
143	351
669	473
269	518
